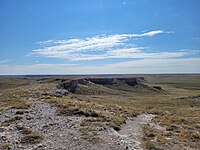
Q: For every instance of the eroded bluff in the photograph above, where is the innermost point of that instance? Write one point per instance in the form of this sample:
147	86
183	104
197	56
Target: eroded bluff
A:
72	85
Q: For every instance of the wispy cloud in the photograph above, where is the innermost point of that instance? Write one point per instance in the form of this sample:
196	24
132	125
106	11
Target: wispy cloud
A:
175	65
151	33
97	39
100	47
128	53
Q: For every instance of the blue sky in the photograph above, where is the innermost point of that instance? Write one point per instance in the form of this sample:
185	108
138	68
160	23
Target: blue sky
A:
101	36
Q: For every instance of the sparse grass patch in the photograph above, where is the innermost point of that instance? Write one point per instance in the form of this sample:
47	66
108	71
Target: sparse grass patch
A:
26	131
16	105
107	113
180	120
14	94
89	133
7	83
192	136
153	138
90	127
20	105
99	115
149	133
12	120
31	138
89	121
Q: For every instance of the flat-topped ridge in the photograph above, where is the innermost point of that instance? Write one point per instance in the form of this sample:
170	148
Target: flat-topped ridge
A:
72	85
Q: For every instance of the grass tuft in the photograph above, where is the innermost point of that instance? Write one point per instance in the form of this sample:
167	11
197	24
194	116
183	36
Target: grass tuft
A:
26	131
32	138
12	120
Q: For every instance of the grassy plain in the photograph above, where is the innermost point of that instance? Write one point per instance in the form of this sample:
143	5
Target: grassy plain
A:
176	107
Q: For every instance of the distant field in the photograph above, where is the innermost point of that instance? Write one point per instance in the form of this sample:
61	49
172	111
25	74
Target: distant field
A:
6	83
183	84
179	81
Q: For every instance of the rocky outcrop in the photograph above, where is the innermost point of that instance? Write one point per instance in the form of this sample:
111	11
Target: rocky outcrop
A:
72	85
103	81
112	81
130	81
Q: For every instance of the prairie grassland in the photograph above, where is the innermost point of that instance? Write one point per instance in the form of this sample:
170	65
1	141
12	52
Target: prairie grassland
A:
177	109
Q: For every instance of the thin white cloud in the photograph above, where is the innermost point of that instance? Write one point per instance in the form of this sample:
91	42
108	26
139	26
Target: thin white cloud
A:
73	48
175	65
151	33
127	53
100	38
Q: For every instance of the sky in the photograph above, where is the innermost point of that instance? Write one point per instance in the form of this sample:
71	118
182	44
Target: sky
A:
99	36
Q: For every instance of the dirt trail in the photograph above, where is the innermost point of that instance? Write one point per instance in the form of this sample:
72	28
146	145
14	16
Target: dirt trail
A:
61	132
130	135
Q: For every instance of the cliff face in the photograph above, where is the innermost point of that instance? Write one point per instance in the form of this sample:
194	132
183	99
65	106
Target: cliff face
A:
112	81
94	83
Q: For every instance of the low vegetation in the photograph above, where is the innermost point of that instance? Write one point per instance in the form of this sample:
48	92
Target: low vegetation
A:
179	116
7	83
112	115
26	131
12	120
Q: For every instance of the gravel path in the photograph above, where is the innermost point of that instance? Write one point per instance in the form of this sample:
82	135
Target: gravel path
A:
129	137
62	132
